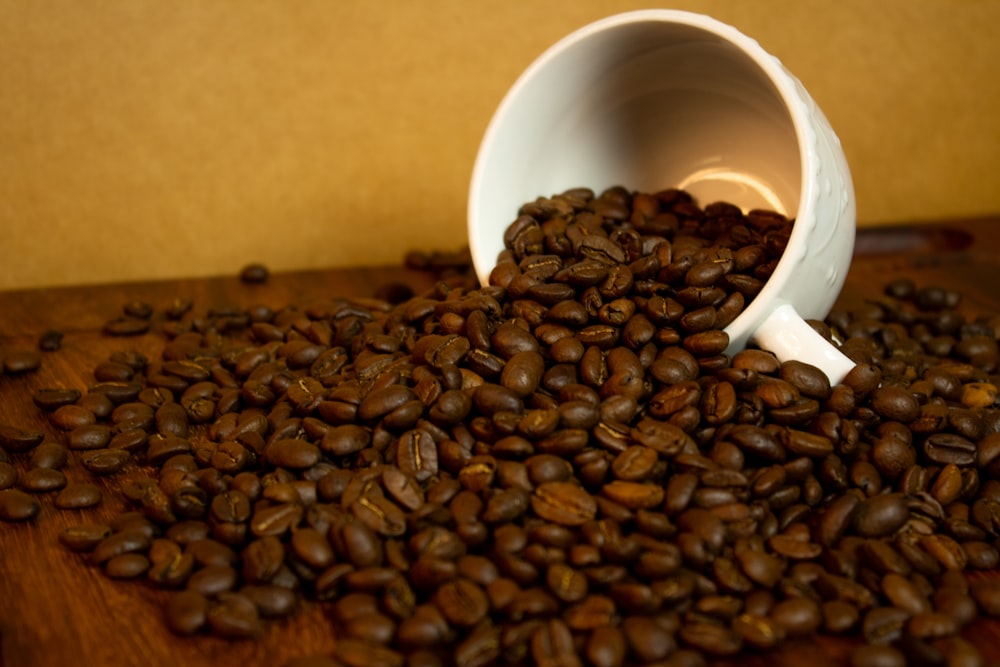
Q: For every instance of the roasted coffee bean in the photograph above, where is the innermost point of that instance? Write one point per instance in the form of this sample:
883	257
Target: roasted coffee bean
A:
884	625
17	362
78	495
881	515
50	341
212	580
606	647
68	417
986	593
254	273
758	631
710	638
8	475
233	616
417	455
276	520
186	612
49	455
877	656
41	480
92	436
16	505
272	601
797	616
104	461
292	454
51	399
84	537
126	326
904	594
945	448
462	602
126	541
14	439
523	372
126	566
563	503
649	640
839	616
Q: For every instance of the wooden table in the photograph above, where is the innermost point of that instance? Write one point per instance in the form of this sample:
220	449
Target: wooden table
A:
55	610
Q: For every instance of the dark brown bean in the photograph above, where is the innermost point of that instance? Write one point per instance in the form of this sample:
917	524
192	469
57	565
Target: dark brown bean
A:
563	503
16	505
78	495
187	612
15	439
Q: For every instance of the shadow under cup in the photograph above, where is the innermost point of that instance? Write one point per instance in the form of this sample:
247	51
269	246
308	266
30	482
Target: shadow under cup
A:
659	99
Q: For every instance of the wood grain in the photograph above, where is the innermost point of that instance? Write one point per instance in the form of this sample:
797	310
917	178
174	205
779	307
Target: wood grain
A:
57	610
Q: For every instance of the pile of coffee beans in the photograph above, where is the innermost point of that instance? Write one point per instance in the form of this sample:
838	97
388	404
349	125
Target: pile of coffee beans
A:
562	467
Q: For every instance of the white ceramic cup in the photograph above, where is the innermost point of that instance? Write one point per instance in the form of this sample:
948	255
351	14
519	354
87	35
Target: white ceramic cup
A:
654	99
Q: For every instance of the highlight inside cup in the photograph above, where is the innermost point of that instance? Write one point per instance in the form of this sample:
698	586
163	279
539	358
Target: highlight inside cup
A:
657	99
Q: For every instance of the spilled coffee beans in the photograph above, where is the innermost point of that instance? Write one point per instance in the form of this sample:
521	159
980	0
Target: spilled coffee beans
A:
563	466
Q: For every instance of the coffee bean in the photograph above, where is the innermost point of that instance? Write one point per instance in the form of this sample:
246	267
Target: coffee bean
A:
116	544
84	537
884	625
16	505
187	612
126	326
212	580
758	631
986	593
78	495
839	616
50	399
797	616
233	616
68	417
49	455
711	639
105	461
254	273
945	448
17	362
606	647
293	454
523	372
91	436
312	548
808	379
126	566
276	520
931	625
8	475
40	480
881	515
563	503
15	439
417	455
648	640
877	656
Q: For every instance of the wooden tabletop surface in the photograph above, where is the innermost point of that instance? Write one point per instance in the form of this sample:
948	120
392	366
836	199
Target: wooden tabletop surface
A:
56	610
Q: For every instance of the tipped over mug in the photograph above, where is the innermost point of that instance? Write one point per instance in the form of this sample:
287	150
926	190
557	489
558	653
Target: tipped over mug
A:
657	99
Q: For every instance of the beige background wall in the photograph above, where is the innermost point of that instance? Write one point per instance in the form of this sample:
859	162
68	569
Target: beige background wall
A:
142	139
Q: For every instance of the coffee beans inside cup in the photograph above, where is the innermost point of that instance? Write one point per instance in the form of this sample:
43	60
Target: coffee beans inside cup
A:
563	464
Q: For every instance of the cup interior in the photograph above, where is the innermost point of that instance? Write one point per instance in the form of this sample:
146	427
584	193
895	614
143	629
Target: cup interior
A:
648	102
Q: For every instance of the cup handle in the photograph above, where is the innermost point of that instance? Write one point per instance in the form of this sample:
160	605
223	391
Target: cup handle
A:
785	334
